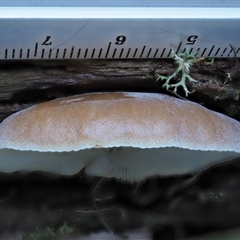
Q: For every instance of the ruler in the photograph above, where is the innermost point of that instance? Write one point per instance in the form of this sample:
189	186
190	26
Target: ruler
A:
127	29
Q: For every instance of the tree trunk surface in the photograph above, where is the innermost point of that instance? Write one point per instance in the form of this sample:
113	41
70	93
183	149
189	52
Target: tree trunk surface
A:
41	206
26	83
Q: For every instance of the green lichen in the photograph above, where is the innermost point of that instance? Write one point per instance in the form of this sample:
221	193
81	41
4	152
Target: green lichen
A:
185	61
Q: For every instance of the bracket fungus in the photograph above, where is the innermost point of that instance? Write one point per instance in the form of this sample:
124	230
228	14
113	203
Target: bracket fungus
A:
128	136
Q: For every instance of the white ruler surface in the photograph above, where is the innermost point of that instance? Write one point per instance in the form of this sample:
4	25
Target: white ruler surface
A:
49	29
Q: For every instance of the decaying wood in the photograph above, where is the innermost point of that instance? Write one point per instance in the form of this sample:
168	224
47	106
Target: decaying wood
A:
23	84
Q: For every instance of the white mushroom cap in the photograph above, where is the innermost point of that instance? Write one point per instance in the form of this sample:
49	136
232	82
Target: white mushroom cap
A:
143	120
120	119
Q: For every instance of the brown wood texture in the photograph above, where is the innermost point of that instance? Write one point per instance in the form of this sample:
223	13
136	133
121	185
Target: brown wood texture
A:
25	83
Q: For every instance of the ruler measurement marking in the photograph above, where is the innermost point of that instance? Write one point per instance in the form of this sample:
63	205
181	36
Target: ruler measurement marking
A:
204	51
170	52
121	53
79	52
128	52
86	52
64	53
191	49
93	52
144	35
142	51
50	53
197	52
109	45
216	52
28	53
237	51
231	50
223	51
57	53
163	52
35	50
155	54
149	52
135	52
100	53
114	52
146	52
178	48
72	50
42	53
211	50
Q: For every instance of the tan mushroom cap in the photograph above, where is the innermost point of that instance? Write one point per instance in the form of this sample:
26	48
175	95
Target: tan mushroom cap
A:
105	120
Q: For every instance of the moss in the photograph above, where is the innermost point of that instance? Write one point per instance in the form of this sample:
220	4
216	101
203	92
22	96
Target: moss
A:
47	233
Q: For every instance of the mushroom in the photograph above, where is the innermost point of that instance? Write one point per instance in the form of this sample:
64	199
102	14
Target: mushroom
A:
128	136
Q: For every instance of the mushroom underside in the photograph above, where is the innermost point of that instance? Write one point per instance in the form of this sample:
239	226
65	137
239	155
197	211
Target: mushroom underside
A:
125	163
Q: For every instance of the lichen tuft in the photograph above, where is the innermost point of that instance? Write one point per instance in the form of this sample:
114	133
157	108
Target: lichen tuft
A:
185	61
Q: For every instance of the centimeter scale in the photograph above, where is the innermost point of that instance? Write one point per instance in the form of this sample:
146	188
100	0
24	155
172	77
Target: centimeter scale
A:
55	29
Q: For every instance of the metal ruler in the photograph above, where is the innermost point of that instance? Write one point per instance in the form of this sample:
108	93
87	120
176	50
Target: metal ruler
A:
55	29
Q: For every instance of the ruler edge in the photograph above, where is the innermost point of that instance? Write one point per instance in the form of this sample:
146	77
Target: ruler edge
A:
118	13
62	13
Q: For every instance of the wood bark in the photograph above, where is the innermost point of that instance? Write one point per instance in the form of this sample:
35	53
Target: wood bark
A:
25	83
